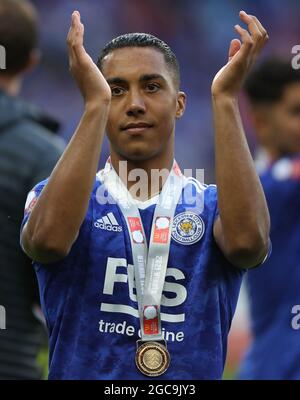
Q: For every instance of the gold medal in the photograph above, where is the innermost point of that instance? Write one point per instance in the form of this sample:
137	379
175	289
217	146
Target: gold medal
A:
152	358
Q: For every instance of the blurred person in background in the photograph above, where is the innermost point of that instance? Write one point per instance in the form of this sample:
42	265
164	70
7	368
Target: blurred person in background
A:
273	90
89	254
28	152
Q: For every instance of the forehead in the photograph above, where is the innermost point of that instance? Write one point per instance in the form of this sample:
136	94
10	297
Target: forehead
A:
132	62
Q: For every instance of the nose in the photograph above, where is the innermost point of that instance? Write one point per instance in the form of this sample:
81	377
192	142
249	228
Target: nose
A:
136	104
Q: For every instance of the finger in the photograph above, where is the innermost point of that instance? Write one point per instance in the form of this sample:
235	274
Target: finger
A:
70	42
257	31
71	35
75	37
74	28
235	46
260	27
247	41
253	28
75	18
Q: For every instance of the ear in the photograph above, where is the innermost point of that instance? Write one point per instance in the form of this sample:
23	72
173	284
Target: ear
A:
180	104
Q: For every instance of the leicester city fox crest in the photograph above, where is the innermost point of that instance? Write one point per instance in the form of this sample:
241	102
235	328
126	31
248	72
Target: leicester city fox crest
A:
188	228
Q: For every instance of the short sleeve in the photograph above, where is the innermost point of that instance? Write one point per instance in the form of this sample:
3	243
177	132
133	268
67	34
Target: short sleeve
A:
31	200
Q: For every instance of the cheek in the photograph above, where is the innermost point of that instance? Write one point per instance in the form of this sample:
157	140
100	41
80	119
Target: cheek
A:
167	113
166	127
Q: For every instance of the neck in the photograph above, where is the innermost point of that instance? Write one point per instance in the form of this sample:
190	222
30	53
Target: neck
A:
11	85
143	179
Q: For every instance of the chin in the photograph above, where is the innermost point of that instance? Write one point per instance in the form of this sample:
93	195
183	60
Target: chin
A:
139	153
137	156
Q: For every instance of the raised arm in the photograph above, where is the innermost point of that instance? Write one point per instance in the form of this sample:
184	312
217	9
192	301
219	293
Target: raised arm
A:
242	228
55	220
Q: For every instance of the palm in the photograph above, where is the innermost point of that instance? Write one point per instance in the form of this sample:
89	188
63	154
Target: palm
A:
241	57
87	75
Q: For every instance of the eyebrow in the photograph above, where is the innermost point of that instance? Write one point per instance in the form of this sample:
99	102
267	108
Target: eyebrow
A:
143	78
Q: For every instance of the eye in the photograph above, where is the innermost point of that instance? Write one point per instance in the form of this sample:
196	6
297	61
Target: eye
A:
117	91
152	87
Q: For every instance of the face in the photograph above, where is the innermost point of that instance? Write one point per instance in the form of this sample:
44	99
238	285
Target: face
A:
145	103
281	128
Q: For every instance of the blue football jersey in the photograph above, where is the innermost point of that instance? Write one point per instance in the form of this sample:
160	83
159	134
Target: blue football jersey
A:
274	288
90	304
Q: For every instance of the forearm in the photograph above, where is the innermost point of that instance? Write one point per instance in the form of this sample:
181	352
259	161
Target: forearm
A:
243	210
56	218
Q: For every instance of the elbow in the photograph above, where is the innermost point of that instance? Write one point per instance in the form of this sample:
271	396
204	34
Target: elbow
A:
249	252
44	247
46	252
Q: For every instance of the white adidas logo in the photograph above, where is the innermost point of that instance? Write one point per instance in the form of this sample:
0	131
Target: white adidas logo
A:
108	223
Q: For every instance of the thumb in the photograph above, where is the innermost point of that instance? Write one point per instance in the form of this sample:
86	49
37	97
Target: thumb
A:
235	46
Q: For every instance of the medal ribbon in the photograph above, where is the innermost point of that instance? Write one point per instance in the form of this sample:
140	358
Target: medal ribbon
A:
150	266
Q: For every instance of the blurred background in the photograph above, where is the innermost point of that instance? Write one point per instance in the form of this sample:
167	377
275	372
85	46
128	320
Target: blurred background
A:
199	32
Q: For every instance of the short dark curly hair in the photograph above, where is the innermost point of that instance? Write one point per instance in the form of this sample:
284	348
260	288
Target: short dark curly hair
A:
18	33
143	40
266	83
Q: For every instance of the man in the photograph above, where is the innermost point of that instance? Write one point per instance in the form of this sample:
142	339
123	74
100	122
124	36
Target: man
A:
274	93
28	153
102	289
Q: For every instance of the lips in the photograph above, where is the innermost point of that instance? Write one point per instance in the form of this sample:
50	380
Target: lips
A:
136	128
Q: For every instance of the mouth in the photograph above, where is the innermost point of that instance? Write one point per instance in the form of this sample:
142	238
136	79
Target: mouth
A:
136	129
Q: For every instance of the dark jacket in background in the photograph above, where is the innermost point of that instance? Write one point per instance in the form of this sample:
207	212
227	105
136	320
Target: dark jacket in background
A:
28	152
